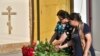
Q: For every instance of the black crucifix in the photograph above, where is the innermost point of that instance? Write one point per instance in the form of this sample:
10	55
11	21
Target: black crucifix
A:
9	13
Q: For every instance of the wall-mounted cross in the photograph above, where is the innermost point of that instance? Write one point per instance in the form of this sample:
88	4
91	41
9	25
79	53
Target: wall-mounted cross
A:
9	13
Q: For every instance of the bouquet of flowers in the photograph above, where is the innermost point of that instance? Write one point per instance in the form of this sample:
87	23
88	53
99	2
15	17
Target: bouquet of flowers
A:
47	49
41	49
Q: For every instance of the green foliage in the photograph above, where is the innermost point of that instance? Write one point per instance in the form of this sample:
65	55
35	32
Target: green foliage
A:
46	49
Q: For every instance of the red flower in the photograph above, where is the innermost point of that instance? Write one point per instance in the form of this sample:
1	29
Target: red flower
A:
27	51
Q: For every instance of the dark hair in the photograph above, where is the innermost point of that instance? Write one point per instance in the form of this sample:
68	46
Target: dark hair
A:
75	16
63	14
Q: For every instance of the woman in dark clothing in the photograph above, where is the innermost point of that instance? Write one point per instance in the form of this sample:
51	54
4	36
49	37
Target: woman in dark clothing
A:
81	36
63	26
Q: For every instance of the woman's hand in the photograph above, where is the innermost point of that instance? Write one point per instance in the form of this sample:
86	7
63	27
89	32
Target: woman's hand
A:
57	47
56	42
60	47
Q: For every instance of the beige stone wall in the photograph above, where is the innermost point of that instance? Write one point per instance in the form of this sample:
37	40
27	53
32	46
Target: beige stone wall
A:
20	31
20	24
13	47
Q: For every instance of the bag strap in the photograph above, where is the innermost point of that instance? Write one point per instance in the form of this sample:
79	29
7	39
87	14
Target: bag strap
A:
81	30
82	36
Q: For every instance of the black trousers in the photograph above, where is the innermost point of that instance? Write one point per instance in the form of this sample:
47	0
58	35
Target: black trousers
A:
92	51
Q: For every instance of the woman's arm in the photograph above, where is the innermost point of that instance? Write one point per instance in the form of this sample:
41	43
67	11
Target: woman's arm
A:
53	37
61	40
63	37
66	45
88	43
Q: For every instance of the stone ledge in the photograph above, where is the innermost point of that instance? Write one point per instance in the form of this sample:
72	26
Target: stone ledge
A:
13	47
